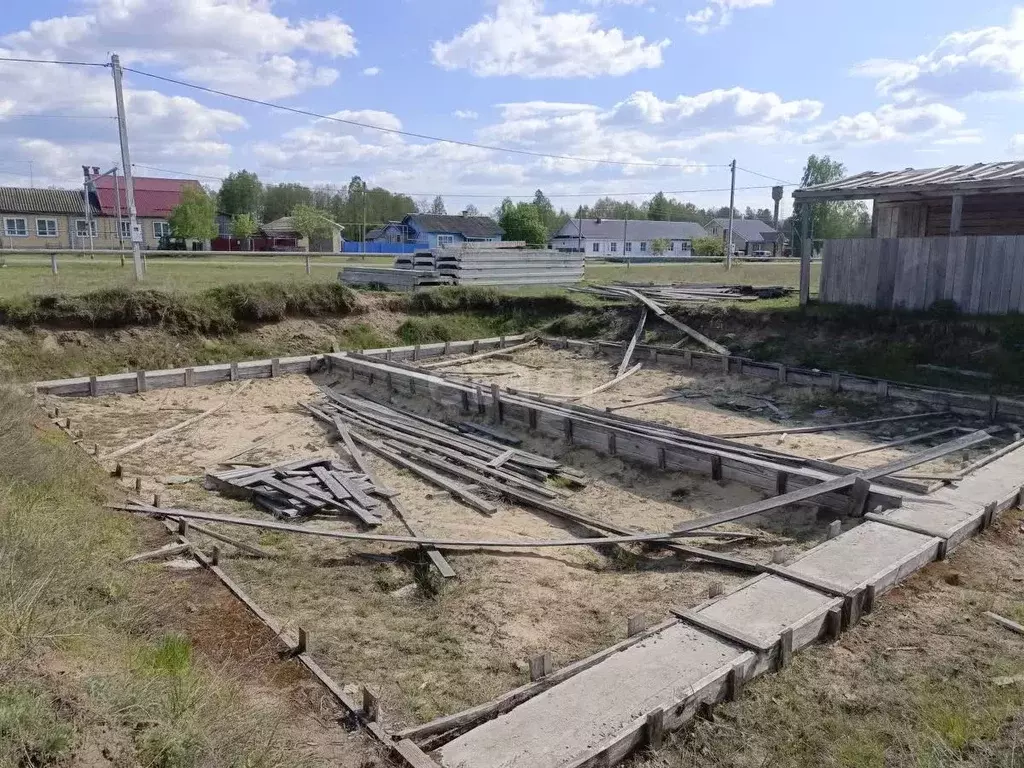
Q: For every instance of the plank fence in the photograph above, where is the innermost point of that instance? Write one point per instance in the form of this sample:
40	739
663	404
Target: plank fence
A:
981	275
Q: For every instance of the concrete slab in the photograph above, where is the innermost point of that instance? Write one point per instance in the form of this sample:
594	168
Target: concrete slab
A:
954	520
569	721
766	605
872	554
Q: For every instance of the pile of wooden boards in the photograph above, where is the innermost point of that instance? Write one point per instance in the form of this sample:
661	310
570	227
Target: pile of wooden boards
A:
483	461
303	487
680	292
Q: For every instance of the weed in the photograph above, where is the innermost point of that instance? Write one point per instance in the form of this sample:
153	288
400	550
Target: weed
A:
31	732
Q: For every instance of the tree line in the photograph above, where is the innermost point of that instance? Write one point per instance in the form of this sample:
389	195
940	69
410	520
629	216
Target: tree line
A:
249	202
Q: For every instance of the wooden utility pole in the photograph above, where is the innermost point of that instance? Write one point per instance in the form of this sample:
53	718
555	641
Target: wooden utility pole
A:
126	164
805	254
732	207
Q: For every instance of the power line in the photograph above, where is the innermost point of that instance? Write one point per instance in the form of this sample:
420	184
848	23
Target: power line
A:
20	60
772	178
495	194
411	134
65	117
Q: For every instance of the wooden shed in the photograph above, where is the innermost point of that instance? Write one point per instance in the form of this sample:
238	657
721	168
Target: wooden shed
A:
939	234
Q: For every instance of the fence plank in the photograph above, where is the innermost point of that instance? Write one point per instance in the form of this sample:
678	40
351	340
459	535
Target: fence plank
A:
1017	287
981	251
1008	247
887	274
955	267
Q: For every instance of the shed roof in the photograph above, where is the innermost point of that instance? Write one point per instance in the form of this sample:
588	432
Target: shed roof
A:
467	226
980	177
635	229
54	201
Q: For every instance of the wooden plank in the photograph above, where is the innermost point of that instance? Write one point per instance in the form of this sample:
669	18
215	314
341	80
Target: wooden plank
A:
341	493
158	554
481	356
661	313
937	268
888	266
954	267
1002	621
637	334
1016	303
831	427
982	257
891	444
1009	245
608	384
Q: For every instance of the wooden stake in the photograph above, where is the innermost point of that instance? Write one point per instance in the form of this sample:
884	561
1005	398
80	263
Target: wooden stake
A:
635	625
371	705
654	728
715	589
833	530
785	647
94	388
1002	621
303	644
540	666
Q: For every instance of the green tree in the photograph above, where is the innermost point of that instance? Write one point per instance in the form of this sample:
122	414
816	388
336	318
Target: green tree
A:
437	207
280	199
657	209
195	217
709	247
659	246
830	221
241	192
310	223
244	227
521	221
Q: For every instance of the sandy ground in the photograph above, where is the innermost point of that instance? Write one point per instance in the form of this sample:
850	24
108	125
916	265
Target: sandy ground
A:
426	655
719	405
449	646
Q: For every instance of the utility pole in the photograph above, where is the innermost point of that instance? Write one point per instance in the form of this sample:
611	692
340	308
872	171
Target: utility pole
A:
579	243
126	164
732	206
777	197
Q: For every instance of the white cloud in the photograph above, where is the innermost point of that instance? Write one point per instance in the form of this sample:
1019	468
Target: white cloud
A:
520	39
888	123
982	61
719	13
465	114
371	71
227	43
1017	144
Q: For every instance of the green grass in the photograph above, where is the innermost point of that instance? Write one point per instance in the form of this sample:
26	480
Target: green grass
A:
85	660
31	275
740	274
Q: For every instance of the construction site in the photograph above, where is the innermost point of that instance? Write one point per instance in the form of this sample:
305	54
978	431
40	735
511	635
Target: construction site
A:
536	550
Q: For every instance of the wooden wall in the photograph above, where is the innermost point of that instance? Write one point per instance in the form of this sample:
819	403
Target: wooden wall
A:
981	275
982	215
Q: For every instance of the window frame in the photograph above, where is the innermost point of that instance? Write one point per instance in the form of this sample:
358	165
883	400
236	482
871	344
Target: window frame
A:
595	247
164	229
48	233
13	232
614	246
445	239
82	231
643	246
671	245
126	229
629	246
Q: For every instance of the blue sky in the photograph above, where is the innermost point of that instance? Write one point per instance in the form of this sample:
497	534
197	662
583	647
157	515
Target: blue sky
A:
670	89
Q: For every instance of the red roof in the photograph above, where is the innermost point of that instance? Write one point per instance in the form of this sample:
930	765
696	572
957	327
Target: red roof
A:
154	198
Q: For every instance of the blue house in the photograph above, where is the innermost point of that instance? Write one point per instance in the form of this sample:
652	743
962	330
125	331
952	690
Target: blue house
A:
427	230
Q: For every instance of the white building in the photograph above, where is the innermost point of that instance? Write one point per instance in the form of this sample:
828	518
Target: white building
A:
628	238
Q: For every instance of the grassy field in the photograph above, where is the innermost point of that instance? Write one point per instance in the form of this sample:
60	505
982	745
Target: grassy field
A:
24	275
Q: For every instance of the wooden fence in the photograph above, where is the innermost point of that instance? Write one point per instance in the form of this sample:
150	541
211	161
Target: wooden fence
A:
981	275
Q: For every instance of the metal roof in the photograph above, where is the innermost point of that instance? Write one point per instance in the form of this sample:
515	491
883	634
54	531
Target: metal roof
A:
467	226
635	229
53	201
1003	176
154	197
749	230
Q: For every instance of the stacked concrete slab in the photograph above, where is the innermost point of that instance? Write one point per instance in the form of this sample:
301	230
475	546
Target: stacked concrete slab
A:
507	266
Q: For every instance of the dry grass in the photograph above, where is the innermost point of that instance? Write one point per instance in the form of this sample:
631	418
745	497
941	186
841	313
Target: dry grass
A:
88	675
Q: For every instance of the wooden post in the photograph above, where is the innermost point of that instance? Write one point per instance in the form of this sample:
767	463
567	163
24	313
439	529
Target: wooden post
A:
781	482
182	527
303	644
94	387
835	382
465	400
498	415
993	407
715	589
53	263
481	406
371	705
688	358
783	373
655	728
805	254
502	343
416	353
734	683
540	666
635	625
661	457
859	497
275	368
779	556
140	381
190	377
716	467
138	485
834	623
215	555
156	499
234	372
612	448
956	216
567	429
833	530
725	364
531	416
785	647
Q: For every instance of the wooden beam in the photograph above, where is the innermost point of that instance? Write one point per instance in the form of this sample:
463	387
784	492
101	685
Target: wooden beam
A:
1002	621
829	427
637	334
608	384
891	444
660	312
956	216
805	254
157	554
481	356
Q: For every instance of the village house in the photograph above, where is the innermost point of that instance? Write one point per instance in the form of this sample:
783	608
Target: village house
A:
633	239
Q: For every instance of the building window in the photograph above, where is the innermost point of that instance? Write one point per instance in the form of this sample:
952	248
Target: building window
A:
160	229
629	246
596	247
685	245
643	246
46	227
443	240
16	227
85	228
614	246
126	229
671	245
